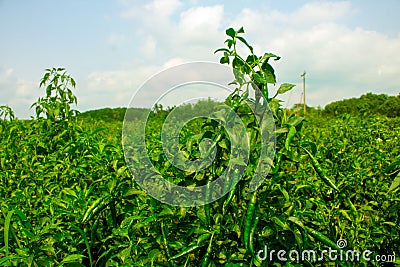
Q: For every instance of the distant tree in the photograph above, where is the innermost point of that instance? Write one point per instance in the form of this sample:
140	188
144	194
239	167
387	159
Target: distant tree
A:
367	104
114	114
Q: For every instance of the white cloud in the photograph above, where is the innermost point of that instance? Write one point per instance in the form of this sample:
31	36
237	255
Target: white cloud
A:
317	12
26	89
340	61
191	34
18	93
109	81
173	62
200	23
164	7
158	8
114	88
8	80
149	47
5	74
12	86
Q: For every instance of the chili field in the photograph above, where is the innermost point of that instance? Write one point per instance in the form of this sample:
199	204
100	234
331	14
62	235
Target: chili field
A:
68	196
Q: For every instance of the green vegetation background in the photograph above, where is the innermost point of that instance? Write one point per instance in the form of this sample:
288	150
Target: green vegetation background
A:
67	197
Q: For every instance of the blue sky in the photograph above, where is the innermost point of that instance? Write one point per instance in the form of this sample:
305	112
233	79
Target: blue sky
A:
110	47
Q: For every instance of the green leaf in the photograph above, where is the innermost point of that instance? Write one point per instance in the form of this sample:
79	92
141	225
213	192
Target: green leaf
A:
85	240
229	43
224	60
167	211
284	193
245	42
284	88
345	214
259	79
269	72
27	227
239	76
270	55
73	83
252	60
69	191
237	63
7	230
310	144
296	221
395	183
73	258
224	144
394	165
222	50
274	105
292	132
201	215
202	238
294	121
278	222
230	32
48	90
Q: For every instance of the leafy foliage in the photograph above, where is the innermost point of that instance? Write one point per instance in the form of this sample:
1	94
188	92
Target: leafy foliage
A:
6	112
56	105
113	114
67	198
365	105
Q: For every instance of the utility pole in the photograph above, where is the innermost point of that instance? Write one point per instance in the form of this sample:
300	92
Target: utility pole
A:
304	90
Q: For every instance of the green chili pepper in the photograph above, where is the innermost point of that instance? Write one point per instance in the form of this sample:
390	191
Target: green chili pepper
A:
207	257
252	232
93	229
113	213
232	191
225	190
317	235
207	207
97	206
251	208
165	243
353	209
320	171
185	252
278	159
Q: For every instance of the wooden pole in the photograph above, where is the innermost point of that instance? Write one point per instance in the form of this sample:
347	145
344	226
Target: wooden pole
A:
304	90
